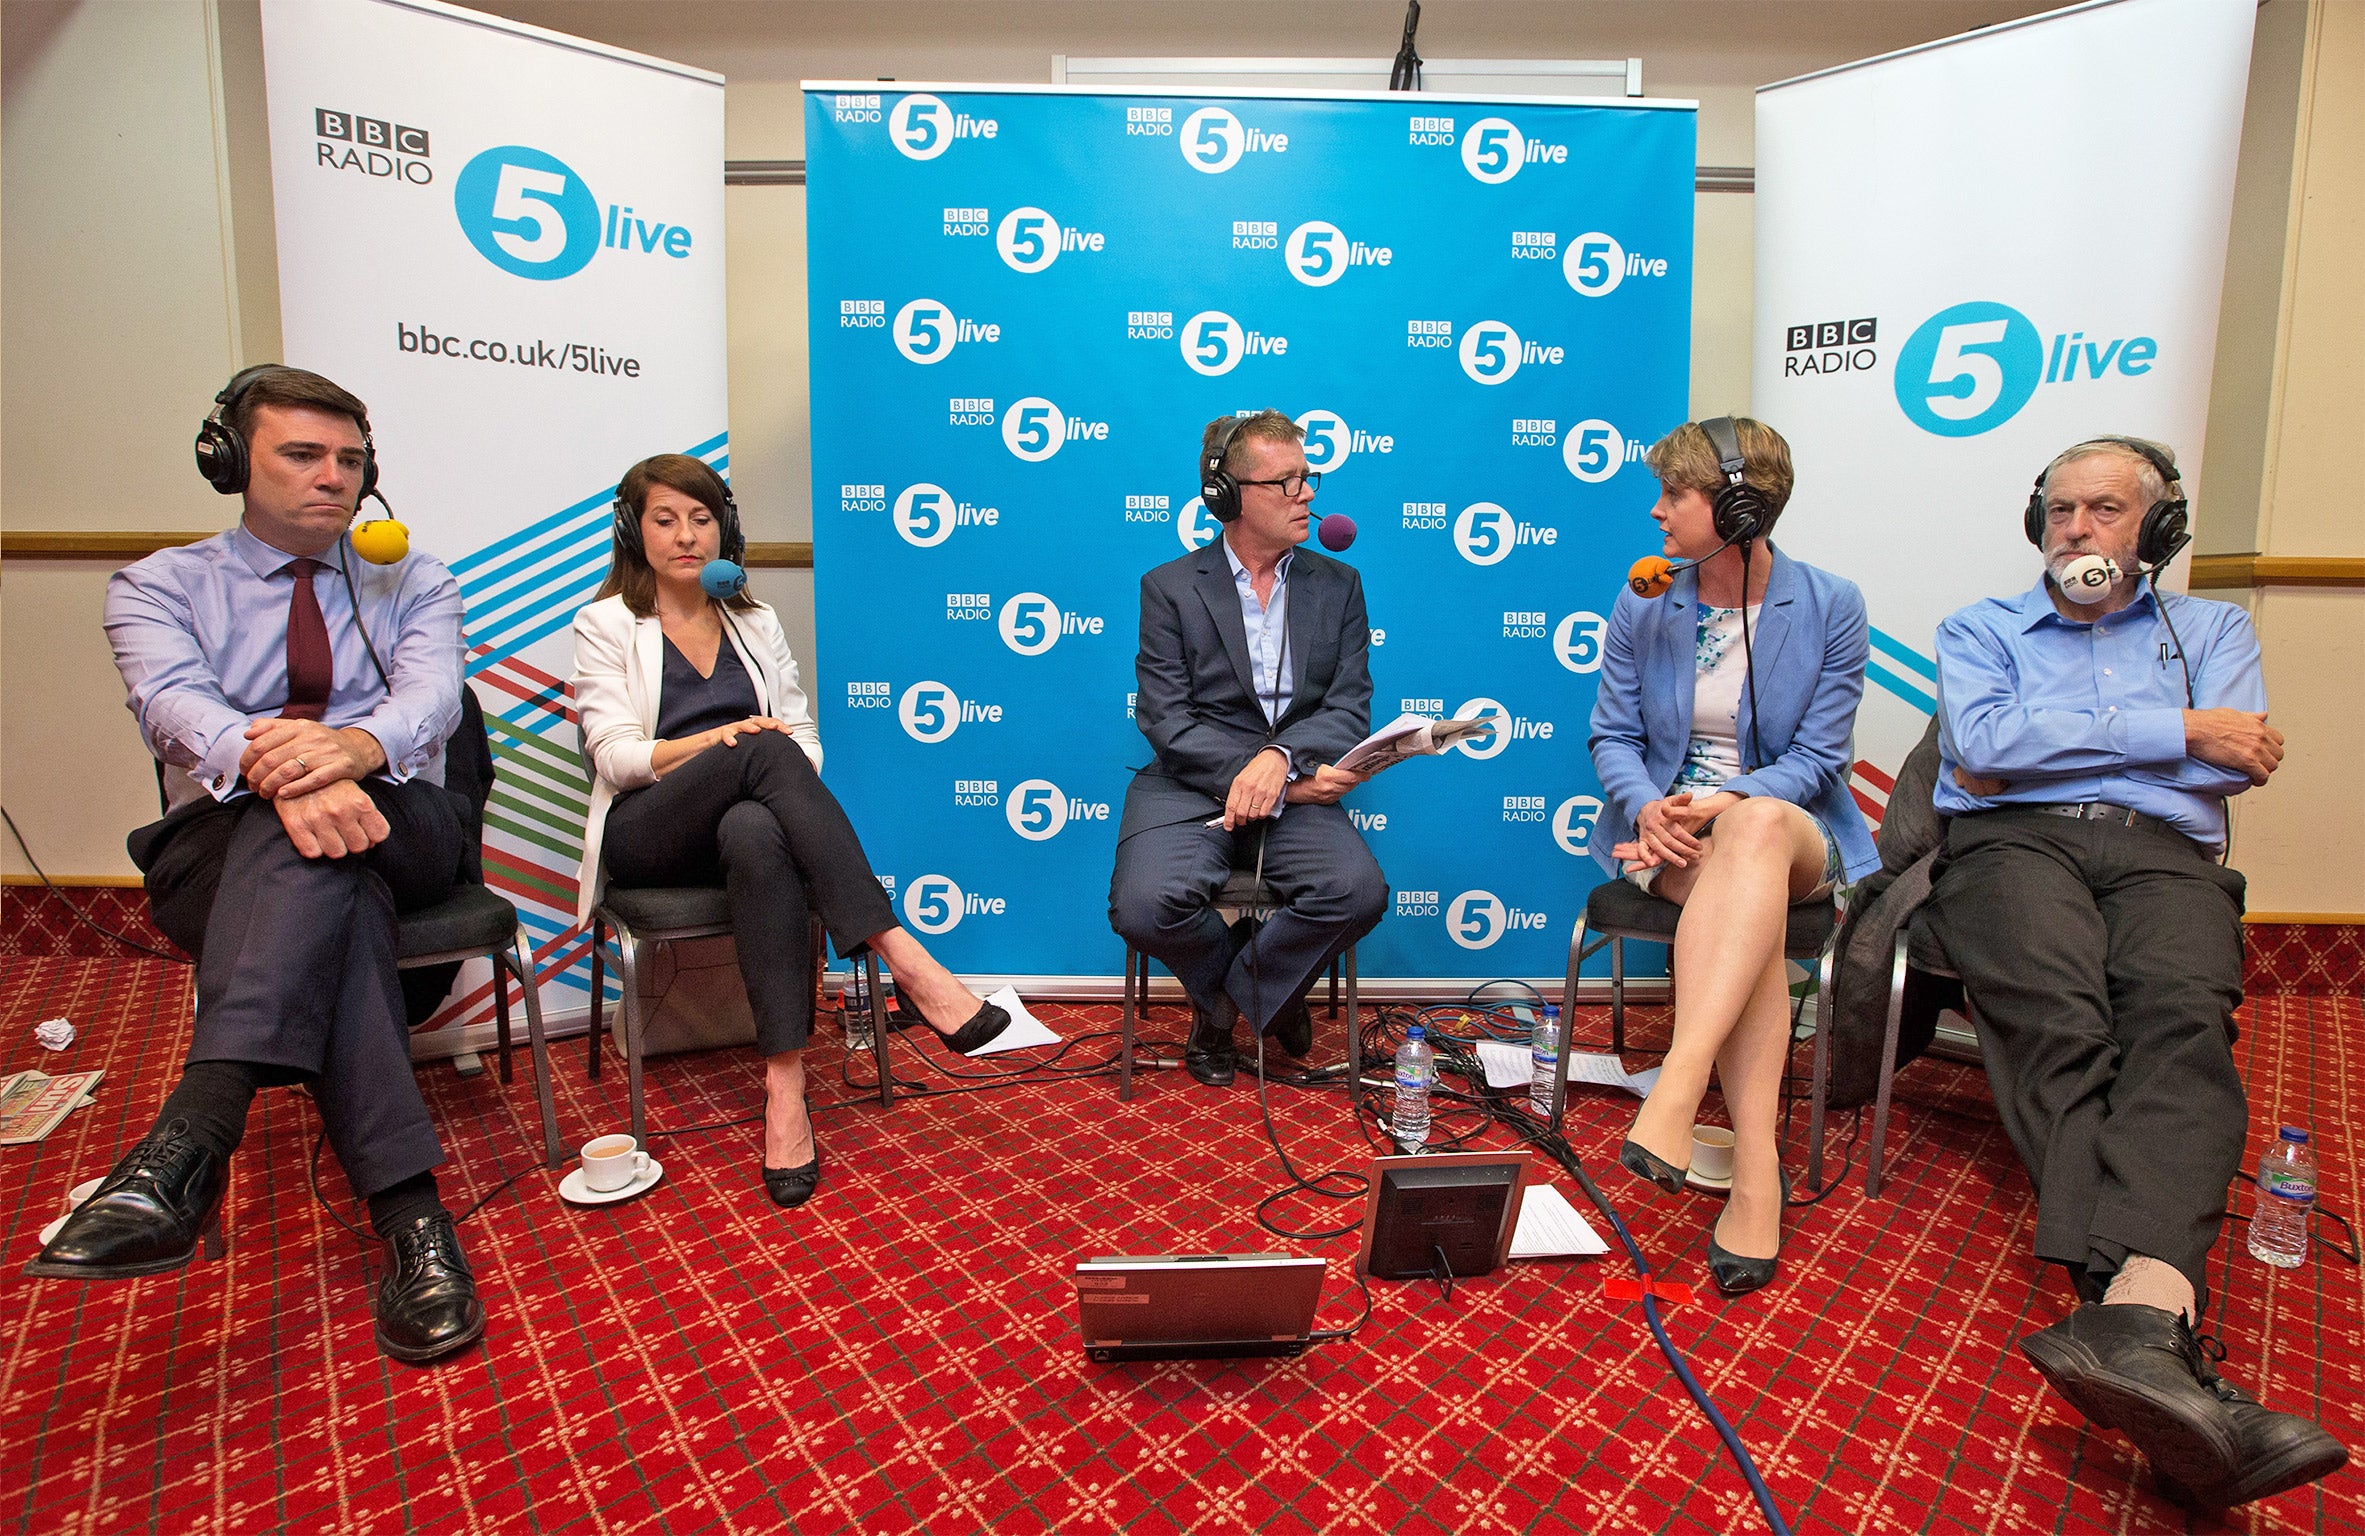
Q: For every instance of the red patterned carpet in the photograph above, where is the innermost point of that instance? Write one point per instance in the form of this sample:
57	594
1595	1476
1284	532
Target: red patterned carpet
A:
900	1355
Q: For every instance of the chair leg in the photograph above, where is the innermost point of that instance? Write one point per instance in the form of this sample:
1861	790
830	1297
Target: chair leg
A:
599	997
629	958
520	958
1880	1104
501	1016
1568	1021
1819	1105
1334	988
1354	1030
1125	1036
1618	995
878	1029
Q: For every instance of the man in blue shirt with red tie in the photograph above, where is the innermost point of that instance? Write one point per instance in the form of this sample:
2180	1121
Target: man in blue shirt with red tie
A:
297	702
2090	732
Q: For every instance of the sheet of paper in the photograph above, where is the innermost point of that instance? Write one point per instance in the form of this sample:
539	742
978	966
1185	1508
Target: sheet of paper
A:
1609	1072
1025	1029
1507	1064
1550	1228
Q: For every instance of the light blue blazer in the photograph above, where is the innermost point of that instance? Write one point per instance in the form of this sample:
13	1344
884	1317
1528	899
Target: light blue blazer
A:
1810	640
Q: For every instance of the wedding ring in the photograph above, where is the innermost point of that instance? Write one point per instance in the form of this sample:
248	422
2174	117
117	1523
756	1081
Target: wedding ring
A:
300	764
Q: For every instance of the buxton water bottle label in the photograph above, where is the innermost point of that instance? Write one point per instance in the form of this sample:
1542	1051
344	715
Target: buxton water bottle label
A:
2289	1186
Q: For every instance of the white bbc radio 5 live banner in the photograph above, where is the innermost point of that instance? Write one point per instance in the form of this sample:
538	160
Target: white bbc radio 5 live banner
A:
1969	256
509	243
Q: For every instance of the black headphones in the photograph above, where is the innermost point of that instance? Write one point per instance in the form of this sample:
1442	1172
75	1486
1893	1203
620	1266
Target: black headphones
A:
2165	529
1741	509
1217	488
222	454
734	547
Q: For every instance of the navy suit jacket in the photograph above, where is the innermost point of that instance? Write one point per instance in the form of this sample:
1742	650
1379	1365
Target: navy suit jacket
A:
1195	696
1810	641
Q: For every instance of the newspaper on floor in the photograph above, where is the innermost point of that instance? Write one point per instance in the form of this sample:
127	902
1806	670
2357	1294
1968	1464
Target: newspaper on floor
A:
32	1103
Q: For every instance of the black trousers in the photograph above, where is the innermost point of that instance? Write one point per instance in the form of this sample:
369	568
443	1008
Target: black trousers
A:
1332	893
2104	964
295	958
757	820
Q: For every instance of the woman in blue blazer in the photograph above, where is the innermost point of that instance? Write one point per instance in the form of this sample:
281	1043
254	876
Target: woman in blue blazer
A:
1723	754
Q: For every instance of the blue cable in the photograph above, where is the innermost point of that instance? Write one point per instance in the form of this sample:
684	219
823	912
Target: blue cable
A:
1683	1372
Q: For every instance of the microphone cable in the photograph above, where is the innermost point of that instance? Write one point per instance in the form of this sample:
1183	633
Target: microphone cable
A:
1749	659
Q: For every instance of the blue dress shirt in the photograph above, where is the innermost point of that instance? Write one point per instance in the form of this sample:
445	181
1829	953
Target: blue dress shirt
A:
200	636
2069	712
1267	624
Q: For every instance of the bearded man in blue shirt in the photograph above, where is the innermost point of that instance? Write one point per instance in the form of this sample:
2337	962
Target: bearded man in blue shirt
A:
297	702
2090	732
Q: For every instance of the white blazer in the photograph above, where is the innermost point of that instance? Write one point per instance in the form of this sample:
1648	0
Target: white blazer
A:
619	673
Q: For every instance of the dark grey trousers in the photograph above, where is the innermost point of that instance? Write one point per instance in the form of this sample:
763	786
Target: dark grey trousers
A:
1332	893
295	960
2104	964
756	820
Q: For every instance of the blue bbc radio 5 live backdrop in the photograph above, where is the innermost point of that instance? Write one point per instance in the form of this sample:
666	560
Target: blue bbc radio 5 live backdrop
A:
1025	305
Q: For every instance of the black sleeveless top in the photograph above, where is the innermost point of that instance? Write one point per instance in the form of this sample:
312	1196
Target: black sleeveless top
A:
688	704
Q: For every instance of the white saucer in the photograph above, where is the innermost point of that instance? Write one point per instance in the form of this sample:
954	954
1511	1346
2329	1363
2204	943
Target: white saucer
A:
571	1187
74	1198
1723	1186
51	1230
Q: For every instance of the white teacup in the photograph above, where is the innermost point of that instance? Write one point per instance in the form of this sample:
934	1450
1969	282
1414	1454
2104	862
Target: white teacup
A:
82	1191
1712	1153
616	1162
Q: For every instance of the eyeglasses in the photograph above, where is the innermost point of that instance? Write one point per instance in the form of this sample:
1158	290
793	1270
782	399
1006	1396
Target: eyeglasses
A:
1290	485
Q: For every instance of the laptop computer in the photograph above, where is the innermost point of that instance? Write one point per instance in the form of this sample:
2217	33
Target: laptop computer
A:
1196	1306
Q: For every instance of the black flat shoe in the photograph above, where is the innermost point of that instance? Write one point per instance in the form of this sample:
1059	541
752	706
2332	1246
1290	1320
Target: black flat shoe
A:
792	1187
427	1304
1737	1276
162	1200
1637	1160
988	1022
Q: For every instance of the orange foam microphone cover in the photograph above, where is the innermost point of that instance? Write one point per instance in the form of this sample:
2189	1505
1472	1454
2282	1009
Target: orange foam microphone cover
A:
1650	576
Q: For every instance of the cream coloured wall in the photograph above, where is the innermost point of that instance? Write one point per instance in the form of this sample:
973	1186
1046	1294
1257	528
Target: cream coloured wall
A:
121	319
2300	841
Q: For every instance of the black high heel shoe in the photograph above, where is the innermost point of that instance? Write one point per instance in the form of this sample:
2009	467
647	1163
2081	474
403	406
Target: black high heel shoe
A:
792	1187
1737	1276
1638	1160
987	1022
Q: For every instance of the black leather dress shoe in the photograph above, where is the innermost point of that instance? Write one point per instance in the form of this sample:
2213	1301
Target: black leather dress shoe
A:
792	1187
160	1200
1208	1055
427	1305
2139	1370
1293	1028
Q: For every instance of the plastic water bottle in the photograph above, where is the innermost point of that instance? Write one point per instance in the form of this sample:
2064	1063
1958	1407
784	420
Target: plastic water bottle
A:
2286	1193
1416	1070
1543	1047
854	1009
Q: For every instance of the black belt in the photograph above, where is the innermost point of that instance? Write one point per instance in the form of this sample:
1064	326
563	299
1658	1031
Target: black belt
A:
2116	815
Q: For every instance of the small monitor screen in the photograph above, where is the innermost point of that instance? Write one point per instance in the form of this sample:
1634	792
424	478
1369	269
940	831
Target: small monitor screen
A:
1442	1219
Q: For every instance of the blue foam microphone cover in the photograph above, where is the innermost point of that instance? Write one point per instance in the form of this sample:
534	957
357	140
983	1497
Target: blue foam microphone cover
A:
722	579
1336	531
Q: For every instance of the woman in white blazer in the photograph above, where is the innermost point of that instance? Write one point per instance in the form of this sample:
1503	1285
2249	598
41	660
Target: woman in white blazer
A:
706	771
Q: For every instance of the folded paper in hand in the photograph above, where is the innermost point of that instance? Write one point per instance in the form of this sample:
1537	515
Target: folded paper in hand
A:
1410	736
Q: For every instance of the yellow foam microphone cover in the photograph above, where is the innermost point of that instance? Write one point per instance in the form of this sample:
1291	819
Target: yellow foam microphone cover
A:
381	540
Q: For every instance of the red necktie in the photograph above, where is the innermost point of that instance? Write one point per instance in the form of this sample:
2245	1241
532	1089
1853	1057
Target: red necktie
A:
311	667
